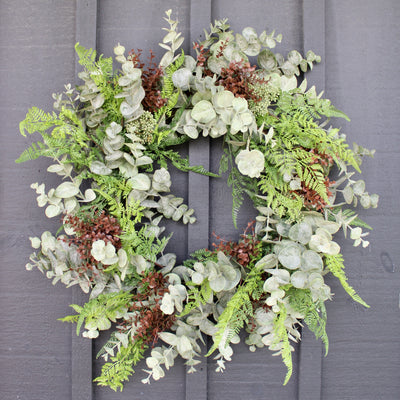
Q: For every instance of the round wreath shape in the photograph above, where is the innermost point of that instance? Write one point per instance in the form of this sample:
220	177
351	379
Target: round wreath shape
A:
113	140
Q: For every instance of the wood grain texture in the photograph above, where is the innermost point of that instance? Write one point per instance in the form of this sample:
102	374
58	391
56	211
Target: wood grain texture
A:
311	350
358	43
81	348
138	25
36	49
362	58
196	384
257	375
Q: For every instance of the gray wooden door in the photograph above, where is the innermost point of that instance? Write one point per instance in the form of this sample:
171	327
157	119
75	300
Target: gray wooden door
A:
41	358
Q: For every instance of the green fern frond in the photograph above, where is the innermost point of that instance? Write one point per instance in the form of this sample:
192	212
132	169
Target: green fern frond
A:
183	163
335	264
34	151
239	309
37	120
114	373
314	313
100	70
105	306
196	297
282	339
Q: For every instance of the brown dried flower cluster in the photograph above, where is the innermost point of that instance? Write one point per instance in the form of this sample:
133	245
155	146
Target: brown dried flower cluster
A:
244	251
151	81
150	320
99	227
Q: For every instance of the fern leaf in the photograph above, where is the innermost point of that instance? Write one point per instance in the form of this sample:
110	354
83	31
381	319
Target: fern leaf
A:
114	373
238	311
336	266
33	152
314	313
282	340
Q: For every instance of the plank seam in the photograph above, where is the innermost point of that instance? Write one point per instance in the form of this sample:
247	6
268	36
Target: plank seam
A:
81	348
196	385
311	350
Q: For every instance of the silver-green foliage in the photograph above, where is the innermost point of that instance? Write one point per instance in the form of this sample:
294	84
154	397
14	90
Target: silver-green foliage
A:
114	156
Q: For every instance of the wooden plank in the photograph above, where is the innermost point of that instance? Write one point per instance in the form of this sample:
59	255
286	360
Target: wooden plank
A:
81	349
198	189
364	361
311	352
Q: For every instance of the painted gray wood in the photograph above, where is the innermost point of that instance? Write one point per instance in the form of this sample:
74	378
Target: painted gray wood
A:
37	59
359	72
256	375
137	25
311	350
362	58
81	351
196	384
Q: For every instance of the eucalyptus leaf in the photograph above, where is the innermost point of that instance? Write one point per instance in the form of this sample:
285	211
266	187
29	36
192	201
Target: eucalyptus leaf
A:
301	232
310	260
203	112
140	182
290	256
66	189
359	187
299	279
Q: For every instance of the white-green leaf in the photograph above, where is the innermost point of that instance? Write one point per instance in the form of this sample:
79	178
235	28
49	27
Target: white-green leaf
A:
348	194
66	189
359	187
169	338
56	168
98	168
140	182
310	260
290	256
301	232
90	195
203	112
299	279
52	211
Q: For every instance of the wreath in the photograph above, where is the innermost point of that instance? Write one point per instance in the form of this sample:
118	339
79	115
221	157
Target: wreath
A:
114	139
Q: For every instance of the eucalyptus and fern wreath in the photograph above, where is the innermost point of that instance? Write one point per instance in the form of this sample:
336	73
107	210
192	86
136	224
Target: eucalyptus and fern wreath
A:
112	141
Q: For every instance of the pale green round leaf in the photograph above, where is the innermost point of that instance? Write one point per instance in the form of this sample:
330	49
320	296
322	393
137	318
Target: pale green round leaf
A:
203	112
223	99
294	57
310	260
98	168
181	78
365	200
140	182
290	256
151	362
315	281
52	211
301	232
299	279
56	168
197	278
267	60
249	34
359	187
253	49
348	194
374	200
218	284
90	195
66	189
191	131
